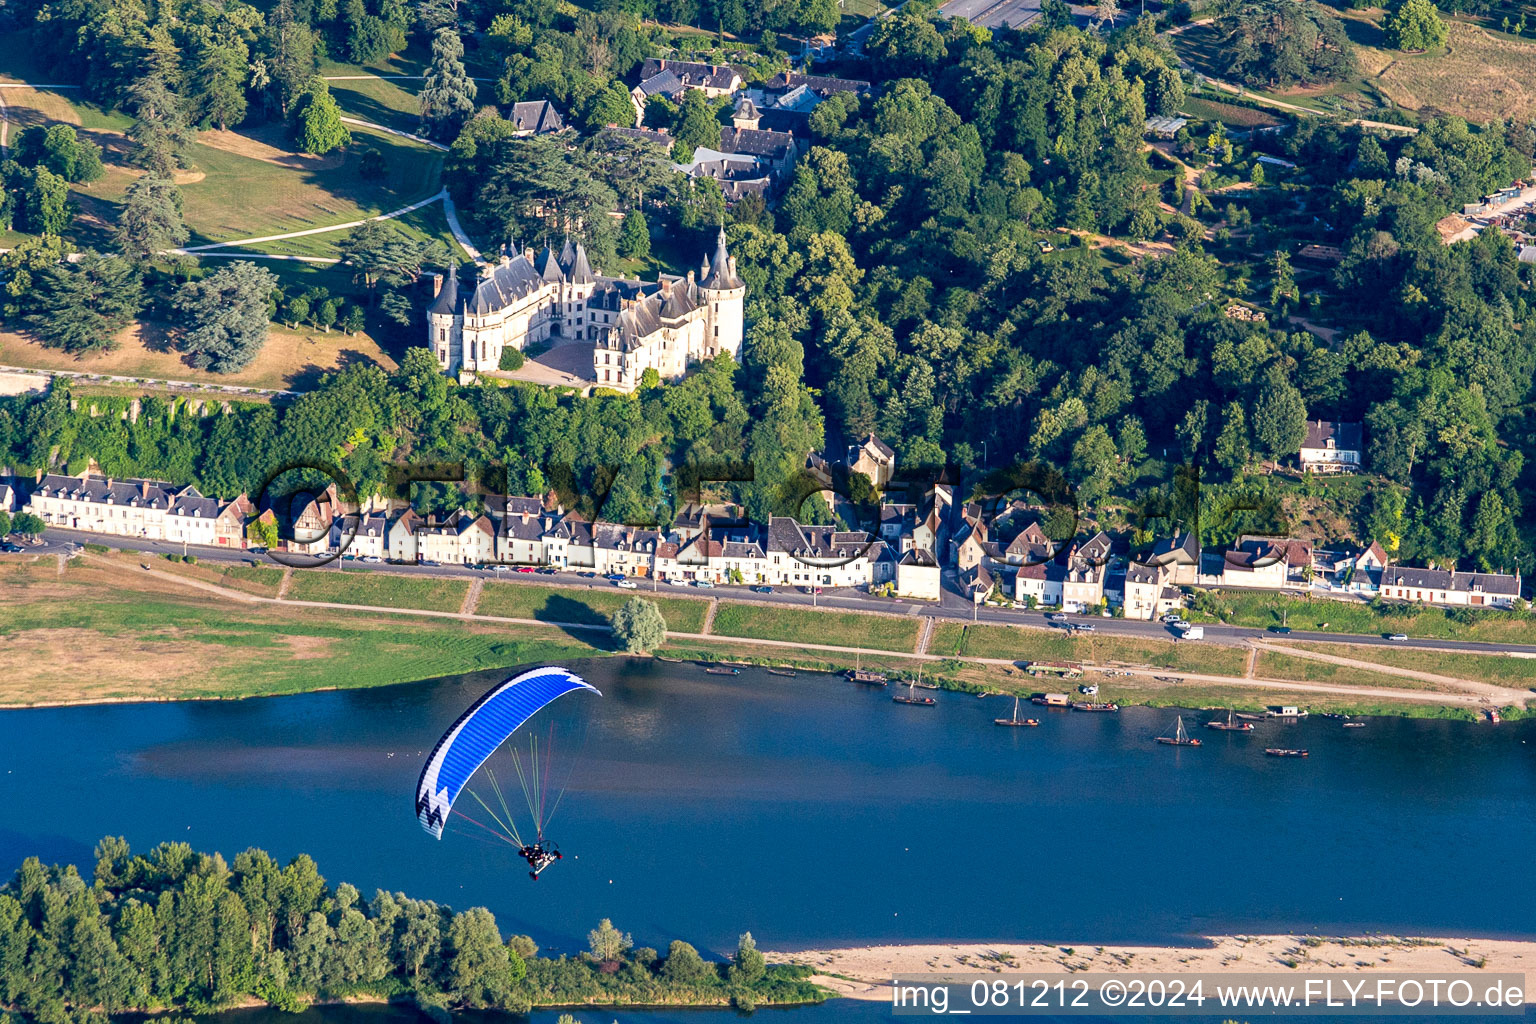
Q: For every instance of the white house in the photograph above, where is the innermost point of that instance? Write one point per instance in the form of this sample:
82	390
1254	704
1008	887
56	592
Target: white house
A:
1445	586
1331	447
917	575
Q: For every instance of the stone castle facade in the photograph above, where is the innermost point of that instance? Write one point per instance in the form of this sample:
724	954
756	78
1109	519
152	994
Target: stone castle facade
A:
632	326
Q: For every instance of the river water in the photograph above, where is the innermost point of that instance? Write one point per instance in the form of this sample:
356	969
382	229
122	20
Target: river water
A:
813	811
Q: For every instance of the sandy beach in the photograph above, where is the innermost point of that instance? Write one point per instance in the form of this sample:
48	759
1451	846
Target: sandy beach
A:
865	972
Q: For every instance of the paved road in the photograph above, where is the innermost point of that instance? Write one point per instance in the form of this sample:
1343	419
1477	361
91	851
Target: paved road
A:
953	606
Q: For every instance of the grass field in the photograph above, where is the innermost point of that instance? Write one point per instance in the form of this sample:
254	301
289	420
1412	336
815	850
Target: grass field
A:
1282	666
289	359
259	580
255	186
1485	668
1479	75
100	634
848	629
390	102
1054	645
1268	609
563	604
384	589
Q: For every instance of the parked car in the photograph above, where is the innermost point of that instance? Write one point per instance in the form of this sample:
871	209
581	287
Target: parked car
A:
372	559
627	585
10	548
545	570
677	583
525	568
501	568
1397	636
344	558
762	590
614	577
1179	623
1083	627
1281	630
702	583
587	575
1172	617
431	562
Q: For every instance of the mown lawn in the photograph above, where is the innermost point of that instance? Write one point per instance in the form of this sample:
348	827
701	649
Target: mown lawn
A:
845	629
383	589
595	607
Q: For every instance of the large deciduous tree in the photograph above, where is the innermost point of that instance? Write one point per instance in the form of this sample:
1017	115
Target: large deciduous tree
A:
639	626
319	129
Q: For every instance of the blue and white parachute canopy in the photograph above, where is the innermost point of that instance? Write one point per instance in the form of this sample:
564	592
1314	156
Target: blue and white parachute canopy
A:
479	731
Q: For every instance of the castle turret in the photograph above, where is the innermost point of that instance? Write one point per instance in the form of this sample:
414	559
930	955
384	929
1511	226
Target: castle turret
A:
444	324
724	296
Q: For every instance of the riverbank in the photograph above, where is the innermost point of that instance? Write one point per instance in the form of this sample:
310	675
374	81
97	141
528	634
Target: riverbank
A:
865	972
102	629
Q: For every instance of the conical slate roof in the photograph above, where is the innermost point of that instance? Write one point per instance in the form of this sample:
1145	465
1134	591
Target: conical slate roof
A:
581	270
721	275
448	298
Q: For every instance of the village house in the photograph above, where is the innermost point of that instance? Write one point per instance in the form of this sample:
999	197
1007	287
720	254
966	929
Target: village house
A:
672	78
458	539
1147	594
123	508
873	458
520	524
1355	571
917	575
535	117
401	537
1179	554
365	535
1331	447
805	555
7	498
1079	575
626	550
1274	563
229	529
1445	586
192	518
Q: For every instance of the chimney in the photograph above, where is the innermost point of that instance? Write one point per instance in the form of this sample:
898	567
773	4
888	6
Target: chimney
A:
437	285
730	261
690	279
528	255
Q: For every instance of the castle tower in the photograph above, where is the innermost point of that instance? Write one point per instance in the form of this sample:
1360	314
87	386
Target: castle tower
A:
725	299
445	322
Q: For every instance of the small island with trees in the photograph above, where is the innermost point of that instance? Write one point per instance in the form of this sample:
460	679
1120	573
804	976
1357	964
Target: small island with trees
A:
178	930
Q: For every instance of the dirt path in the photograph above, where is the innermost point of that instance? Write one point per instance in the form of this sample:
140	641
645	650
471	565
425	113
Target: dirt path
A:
1499	694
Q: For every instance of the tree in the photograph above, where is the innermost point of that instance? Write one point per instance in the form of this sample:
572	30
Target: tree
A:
27	525
606	942
353	320
149	221
319	129
609	105
750	965
1232	444
1282	290
291	58
218	83
1414	25
511	359
81	306
1284	43
1279	416
478	968
635	237
48	206
639	626
325	314
160	132
59	148
225	316
5	522
447	92
697	125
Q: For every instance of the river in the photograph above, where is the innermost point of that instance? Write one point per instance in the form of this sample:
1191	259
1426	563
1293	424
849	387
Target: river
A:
813	811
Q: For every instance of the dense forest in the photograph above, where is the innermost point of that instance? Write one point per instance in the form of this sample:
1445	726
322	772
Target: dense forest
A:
901	284
180	930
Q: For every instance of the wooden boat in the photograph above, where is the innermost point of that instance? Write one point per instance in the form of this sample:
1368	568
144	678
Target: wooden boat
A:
1354	725
722	670
908	698
1229	725
858	675
1285	752
1251	718
1095	705
782	672
1016	720
1180	738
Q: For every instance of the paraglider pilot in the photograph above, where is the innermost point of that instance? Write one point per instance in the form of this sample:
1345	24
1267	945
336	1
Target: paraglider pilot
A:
539	856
